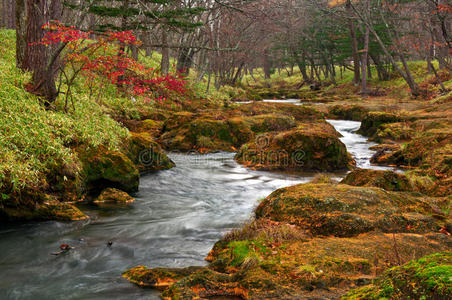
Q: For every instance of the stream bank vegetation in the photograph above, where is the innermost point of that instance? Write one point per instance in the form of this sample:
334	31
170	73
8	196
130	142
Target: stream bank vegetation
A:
92	94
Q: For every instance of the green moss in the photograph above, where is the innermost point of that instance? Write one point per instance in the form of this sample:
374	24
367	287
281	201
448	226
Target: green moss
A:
388	180
372	122
427	278
103	168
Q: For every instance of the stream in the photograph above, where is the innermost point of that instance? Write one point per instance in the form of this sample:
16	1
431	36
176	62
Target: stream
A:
177	217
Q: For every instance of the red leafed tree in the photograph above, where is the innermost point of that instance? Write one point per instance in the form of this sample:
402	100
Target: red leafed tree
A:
97	58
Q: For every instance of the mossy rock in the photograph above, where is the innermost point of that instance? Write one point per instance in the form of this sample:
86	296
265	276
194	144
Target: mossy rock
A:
104	168
177	120
157	277
202	133
205	284
152	127
388	180
343	210
372	122
324	267
48	209
271	122
113	196
399	131
298	112
34	203
147	154
241	131
427	278
310	146
347	112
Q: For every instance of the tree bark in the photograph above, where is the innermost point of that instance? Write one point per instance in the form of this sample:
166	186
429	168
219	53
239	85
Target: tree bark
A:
21	33
36	56
267	70
406	76
364	55
164	64
354	42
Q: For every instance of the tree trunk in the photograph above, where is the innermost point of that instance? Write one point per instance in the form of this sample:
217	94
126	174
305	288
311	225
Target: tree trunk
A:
383	74
36	57
21	33
185	60
267	71
164	64
2	14
364	56
134	51
406	76
354	41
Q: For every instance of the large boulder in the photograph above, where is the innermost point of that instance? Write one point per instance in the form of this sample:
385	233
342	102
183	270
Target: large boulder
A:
104	168
372	122
343	210
38	206
203	133
310	146
147	154
347	112
208	132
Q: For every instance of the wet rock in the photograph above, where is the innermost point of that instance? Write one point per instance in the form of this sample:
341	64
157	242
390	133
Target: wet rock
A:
147	154
372	122
388	180
36	205
347	112
157	277
427	278
108	168
310	146
113	196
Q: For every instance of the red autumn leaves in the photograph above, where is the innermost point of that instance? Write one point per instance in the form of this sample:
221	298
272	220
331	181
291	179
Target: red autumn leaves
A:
99	60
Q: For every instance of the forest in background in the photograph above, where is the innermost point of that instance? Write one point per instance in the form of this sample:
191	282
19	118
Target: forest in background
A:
225	41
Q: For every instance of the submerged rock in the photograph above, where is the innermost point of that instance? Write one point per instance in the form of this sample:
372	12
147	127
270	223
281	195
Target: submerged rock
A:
388	180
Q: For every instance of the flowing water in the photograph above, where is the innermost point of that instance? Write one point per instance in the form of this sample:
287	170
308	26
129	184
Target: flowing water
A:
177	217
